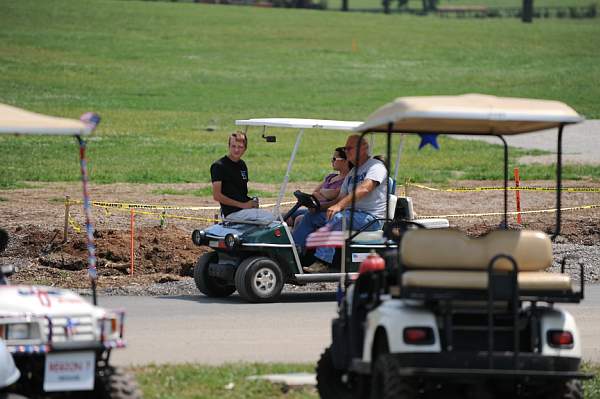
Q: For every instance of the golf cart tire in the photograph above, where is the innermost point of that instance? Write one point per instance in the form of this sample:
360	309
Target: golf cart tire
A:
208	285
115	383
387	382
570	389
330	381
259	279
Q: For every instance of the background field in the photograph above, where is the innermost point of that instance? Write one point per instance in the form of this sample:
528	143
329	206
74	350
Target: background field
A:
418	4
159	73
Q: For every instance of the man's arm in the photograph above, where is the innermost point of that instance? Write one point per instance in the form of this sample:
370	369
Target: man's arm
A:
225	200
345	201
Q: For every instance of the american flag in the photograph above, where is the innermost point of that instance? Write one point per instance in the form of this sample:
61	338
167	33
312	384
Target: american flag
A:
70	327
325	237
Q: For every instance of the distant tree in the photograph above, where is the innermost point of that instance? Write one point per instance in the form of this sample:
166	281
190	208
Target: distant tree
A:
429	5
386	6
527	14
402	3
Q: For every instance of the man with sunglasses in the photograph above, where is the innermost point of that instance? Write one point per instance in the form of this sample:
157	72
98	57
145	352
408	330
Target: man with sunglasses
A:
370	202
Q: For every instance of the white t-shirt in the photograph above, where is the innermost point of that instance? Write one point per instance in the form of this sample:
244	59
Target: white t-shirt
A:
374	202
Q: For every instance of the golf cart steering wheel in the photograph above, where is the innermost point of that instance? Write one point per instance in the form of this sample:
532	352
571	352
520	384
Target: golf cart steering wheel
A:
307	200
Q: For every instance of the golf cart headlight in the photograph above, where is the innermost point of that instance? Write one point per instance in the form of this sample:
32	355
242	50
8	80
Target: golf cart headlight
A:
22	331
232	241
198	237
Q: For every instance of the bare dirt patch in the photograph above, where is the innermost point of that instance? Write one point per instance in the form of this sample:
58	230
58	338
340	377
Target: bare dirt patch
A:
163	252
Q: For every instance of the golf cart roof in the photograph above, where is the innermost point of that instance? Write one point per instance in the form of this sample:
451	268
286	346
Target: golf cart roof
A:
299	123
469	114
14	120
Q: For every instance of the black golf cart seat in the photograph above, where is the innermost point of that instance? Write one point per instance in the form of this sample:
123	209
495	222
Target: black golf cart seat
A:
443	264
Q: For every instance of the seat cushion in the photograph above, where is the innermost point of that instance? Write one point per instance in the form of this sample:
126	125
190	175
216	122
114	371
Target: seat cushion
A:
528	281
452	249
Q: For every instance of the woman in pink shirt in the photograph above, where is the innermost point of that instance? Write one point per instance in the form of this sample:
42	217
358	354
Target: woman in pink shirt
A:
329	188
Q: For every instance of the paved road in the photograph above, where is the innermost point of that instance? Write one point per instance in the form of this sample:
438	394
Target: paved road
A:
199	329
580	143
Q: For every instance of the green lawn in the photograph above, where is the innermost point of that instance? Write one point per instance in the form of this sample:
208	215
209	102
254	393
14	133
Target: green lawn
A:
229	381
159	73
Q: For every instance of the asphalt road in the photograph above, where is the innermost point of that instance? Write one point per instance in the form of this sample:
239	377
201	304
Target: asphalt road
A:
580	143
203	330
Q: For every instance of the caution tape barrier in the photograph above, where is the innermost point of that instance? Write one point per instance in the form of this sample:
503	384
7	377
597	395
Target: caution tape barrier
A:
524	188
124	205
467	215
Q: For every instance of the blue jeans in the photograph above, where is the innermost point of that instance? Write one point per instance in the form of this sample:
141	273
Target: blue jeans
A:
313	221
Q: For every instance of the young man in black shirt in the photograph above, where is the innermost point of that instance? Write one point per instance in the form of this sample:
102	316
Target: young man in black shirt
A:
229	176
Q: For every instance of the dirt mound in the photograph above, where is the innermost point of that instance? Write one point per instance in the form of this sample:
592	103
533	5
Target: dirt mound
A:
160	255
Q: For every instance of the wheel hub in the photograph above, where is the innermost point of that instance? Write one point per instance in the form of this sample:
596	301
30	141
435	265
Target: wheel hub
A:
264	281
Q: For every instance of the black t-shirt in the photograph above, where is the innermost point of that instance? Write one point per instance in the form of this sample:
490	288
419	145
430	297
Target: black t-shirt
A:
234	181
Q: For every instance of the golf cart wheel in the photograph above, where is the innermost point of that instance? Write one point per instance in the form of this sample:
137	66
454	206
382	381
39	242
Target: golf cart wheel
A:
333	383
570	389
208	285
259	279
387	382
114	383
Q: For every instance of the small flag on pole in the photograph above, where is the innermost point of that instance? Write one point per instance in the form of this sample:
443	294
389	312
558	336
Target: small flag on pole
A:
325	237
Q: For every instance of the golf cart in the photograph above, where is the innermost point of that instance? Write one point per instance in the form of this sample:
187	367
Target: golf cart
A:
60	342
258	259
444	315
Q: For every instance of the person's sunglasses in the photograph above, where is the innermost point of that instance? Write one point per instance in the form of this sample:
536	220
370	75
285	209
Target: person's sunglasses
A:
336	159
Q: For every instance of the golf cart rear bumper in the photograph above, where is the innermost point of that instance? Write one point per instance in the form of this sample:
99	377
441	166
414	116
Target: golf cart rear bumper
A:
477	365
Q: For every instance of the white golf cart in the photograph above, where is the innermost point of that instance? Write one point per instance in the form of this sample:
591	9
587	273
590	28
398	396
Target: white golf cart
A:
445	315
258	259
60	342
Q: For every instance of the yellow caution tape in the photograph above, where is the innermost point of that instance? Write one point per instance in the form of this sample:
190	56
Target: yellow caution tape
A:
165	216
523	188
123	205
466	215
73	223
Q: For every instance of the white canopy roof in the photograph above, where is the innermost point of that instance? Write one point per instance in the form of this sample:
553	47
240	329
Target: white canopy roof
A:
299	123
469	114
14	120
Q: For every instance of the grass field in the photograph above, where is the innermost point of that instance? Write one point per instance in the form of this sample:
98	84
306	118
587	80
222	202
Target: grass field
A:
229	381
159	73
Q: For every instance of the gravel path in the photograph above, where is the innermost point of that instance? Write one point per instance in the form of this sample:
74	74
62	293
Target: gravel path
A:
589	255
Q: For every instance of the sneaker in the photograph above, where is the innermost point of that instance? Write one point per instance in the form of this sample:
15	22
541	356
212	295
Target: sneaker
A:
317	267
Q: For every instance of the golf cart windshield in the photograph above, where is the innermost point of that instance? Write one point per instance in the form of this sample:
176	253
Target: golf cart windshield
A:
295	123
475	114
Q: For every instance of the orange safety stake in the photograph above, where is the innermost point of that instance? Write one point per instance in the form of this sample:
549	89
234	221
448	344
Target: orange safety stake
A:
518	195
131	268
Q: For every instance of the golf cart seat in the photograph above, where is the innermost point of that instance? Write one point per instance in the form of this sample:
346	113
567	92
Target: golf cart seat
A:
401	208
377	235
447	263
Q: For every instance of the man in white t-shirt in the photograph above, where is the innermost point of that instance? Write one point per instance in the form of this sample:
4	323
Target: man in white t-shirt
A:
370	203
